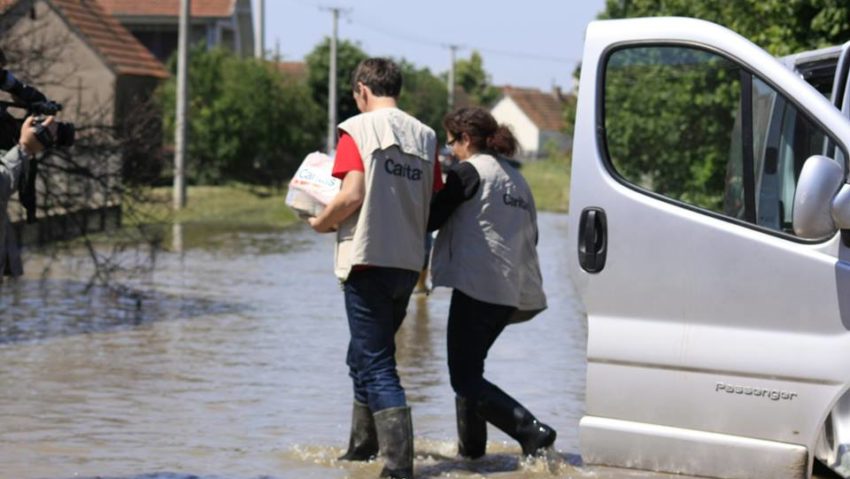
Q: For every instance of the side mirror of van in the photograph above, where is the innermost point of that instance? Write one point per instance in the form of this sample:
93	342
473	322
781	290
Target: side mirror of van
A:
841	212
813	214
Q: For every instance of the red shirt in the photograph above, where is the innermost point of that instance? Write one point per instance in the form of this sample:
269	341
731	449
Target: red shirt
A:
348	159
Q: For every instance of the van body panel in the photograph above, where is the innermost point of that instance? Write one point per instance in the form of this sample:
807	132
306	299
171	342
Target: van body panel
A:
693	312
717	455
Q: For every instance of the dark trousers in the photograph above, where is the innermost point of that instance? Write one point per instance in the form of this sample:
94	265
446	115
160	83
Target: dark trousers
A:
376	303
473	328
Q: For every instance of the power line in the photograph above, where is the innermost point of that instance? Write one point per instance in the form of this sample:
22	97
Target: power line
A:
344	12
527	56
401	36
412	38
423	41
305	3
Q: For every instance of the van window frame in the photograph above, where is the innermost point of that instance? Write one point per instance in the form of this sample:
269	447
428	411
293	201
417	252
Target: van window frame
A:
602	136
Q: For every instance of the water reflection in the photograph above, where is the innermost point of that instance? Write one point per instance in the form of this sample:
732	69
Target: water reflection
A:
234	367
47	308
417	362
222	238
177	238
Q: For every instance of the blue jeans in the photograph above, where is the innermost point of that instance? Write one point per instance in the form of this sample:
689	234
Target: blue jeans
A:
376	303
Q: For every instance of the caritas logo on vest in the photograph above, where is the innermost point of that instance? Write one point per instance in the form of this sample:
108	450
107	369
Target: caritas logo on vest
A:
516	201
405	171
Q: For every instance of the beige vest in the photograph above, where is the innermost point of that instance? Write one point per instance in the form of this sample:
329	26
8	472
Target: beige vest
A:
389	229
487	248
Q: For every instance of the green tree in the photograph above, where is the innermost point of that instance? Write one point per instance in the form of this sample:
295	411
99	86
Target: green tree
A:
424	96
474	80
247	123
569	114
779	26
348	55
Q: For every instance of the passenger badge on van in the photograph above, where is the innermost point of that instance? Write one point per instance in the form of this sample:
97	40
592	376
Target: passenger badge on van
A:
772	394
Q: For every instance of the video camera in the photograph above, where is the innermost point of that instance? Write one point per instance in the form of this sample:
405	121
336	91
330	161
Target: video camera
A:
36	104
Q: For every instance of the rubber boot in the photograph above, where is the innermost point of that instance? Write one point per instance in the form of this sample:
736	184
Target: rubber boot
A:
395	436
515	420
471	429
363	443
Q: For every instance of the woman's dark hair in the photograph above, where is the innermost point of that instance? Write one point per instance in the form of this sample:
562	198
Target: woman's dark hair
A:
481	128
381	75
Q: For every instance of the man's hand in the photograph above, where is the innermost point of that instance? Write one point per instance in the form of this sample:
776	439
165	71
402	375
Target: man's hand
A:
345	203
317	225
28	142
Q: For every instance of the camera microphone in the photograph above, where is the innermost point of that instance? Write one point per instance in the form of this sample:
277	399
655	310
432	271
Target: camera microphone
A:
25	93
8	80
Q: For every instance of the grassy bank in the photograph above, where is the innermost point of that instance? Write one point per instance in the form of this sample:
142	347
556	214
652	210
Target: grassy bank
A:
550	182
242	206
232	205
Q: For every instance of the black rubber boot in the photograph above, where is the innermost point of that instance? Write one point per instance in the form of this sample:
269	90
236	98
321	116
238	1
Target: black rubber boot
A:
515	420
363	444
471	429
395	436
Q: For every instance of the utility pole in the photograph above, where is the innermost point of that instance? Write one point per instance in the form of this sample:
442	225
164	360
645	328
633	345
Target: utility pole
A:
260	32
453	49
182	95
332	79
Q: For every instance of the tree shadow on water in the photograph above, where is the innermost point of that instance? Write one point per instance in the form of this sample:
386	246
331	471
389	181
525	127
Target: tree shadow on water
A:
49	308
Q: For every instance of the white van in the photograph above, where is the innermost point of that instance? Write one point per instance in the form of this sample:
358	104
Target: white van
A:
710	244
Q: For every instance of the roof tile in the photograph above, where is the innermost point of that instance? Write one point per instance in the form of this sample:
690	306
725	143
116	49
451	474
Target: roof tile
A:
117	46
168	8
295	70
546	110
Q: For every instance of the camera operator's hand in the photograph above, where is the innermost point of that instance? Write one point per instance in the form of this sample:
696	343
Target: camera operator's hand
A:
29	142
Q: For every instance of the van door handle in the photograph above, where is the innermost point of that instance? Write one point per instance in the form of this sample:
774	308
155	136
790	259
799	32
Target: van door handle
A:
592	239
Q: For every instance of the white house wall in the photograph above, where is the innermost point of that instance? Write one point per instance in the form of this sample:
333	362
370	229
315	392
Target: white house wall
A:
526	132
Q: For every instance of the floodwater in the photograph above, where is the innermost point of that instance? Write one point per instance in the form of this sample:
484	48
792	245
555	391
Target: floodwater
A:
233	367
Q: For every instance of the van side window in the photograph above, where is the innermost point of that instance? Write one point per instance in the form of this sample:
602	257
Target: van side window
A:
697	128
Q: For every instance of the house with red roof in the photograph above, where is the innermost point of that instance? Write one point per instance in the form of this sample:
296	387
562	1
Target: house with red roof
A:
535	117
79	55
154	23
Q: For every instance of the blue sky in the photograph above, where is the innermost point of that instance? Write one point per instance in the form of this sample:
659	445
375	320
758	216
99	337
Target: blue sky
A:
532	43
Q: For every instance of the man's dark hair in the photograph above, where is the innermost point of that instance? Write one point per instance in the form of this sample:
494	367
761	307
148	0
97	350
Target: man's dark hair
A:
381	75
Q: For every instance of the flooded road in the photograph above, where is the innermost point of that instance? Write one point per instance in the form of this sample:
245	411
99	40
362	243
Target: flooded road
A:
234	367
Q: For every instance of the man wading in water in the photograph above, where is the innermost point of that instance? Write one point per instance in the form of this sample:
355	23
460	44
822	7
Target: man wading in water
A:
386	160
